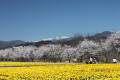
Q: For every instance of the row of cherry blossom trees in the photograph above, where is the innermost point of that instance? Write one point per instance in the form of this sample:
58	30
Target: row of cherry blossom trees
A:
104	51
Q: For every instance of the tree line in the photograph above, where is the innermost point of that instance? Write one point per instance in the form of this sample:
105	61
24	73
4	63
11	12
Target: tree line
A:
80	48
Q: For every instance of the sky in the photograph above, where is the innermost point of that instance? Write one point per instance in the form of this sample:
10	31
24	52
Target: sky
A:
33	20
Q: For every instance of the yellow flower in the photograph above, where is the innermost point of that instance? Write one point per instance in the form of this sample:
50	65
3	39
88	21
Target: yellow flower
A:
58	71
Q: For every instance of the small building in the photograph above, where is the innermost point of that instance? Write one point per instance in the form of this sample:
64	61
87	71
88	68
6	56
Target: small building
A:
74	60
114	61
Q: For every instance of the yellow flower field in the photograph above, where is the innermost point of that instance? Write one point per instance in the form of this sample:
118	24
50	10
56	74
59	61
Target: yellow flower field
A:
58	71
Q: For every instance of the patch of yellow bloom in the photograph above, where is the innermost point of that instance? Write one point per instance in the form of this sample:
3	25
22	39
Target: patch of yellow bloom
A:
58	71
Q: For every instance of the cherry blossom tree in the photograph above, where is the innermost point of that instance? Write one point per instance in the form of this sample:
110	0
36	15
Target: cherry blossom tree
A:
70	53
112	46
55	53
88	48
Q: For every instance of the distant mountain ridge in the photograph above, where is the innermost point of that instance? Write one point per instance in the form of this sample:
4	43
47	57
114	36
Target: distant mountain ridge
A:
56	40
7	44
104	34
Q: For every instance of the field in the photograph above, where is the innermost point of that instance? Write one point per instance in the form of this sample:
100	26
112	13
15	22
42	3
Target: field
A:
58	71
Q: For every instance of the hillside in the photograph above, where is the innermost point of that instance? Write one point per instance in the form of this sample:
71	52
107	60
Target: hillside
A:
72	41
7	44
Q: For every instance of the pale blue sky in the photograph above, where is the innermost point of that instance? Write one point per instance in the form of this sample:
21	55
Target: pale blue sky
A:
39	19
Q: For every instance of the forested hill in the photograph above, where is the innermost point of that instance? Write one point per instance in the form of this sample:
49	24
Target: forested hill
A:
8	44
72	41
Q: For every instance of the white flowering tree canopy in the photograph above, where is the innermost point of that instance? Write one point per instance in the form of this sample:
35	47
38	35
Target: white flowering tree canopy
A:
70	53
90	47
113	42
